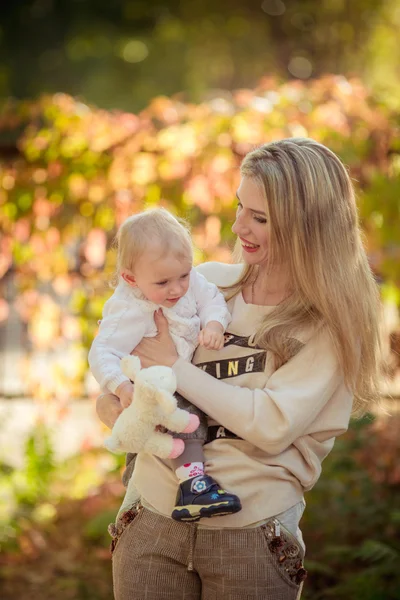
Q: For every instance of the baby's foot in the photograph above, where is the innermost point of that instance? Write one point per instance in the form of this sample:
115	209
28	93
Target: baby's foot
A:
201	497
194	422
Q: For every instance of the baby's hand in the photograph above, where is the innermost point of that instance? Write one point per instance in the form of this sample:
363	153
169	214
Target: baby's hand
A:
212	336
125	393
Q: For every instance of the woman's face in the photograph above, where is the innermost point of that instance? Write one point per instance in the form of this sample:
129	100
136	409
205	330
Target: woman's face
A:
251	225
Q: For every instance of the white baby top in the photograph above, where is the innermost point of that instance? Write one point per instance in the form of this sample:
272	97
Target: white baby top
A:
128	317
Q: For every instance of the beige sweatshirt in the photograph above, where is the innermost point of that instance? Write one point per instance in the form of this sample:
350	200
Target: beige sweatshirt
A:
288	418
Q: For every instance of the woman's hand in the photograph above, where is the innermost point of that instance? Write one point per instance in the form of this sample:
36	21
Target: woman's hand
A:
125	393
108	408
159	350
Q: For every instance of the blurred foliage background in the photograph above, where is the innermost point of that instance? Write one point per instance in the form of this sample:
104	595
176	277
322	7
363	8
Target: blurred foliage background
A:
121	54
110	107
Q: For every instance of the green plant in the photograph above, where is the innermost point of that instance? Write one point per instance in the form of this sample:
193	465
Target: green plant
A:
352	524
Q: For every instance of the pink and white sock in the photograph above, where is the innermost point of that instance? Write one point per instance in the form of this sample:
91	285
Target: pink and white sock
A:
189	470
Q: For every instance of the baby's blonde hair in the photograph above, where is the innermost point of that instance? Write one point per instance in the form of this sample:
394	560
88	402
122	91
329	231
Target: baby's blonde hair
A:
154	228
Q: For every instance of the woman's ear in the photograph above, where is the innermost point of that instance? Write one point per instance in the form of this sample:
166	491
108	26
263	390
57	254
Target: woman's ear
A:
129	278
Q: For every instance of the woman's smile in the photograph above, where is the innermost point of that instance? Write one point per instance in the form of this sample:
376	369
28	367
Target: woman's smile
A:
248	246
251	222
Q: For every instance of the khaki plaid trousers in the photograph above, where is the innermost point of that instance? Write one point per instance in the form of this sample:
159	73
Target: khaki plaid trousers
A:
156	558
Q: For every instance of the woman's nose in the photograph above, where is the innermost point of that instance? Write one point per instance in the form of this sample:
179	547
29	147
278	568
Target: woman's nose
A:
235	226
239	226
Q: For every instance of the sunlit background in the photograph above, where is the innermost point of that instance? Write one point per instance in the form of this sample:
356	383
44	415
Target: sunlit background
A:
108	107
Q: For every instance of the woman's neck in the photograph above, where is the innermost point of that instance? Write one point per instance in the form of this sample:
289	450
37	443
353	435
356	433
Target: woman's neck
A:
269	289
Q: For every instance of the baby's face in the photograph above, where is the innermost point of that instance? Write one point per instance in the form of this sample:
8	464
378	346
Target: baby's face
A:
163	279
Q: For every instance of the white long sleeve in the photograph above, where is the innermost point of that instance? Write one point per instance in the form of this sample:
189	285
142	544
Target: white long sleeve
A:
122	327
211	305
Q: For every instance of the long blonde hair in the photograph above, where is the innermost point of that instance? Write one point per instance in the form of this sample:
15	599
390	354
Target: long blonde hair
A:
314	229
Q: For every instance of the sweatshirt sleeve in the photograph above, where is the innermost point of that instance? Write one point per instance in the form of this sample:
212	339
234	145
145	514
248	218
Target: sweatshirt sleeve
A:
293	398
121	329
211	305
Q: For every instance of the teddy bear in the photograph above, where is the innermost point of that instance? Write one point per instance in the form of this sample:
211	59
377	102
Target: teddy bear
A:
154	404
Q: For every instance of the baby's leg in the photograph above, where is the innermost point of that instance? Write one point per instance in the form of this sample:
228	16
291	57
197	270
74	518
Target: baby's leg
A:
191	463
201	431
199	495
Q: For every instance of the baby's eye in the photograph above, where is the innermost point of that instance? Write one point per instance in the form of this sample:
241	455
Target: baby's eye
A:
185	276
162	283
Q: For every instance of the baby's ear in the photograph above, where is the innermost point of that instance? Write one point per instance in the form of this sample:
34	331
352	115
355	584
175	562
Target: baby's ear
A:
129	278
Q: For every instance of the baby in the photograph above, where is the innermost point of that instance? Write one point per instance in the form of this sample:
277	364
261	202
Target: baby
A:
155	269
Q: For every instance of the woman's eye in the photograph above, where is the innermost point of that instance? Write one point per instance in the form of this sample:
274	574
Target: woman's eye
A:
255	217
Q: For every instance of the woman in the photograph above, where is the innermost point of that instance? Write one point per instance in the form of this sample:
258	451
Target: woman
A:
301	351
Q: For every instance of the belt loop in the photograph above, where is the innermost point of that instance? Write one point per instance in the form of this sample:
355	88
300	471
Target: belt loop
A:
192	541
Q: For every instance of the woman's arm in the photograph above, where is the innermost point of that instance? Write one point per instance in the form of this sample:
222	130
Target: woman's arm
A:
108	408
271	418
274	417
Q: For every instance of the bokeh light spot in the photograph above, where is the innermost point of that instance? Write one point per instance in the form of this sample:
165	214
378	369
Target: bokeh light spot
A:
8	182
86	209
275	8
300	67
25	201
135	51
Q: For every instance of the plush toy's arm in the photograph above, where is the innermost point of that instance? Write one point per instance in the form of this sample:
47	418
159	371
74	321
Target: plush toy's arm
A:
166	401
177	421
160	444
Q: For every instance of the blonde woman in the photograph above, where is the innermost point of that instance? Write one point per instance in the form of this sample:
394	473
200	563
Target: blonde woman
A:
300	353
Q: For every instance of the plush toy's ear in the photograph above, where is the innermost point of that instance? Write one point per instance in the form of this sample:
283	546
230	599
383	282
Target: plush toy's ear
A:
130	366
